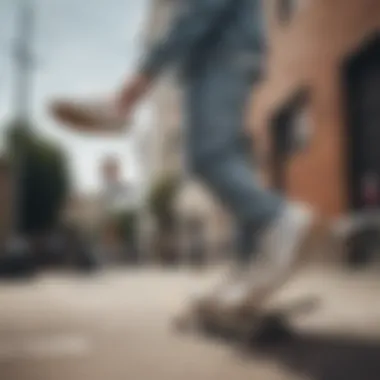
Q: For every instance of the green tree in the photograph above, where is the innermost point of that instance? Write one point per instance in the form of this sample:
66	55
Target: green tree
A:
42	180
162	201
161	204
125	222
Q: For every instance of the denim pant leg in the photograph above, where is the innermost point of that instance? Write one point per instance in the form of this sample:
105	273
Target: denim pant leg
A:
246	239
216	105
231	178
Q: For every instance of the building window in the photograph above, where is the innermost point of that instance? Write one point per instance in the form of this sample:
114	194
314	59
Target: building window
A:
302	132
292	132
287	8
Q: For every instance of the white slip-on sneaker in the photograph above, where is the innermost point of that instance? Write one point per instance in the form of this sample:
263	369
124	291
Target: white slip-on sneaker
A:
284	244
101	115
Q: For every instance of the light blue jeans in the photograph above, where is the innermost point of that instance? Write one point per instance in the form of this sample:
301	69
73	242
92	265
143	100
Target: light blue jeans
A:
219	152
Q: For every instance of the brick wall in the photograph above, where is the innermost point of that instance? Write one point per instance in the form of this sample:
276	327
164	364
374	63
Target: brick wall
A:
309	50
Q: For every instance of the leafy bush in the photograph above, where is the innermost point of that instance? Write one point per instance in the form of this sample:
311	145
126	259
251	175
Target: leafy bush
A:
161	202
126	225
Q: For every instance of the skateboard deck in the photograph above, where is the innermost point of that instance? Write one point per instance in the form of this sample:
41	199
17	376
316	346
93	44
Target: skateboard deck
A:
263	326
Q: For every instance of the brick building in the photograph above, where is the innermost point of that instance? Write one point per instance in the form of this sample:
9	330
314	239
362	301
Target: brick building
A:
328	50
319	100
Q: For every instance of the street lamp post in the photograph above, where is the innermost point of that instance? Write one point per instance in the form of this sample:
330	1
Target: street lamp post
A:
22	102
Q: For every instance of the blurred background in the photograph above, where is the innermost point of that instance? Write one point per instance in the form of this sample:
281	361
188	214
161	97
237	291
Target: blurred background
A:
101	237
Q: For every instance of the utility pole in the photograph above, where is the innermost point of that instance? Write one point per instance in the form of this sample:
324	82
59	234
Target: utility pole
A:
23	63
23	60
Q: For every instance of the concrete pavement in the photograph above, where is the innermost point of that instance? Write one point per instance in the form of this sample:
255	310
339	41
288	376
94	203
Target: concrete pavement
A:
116	326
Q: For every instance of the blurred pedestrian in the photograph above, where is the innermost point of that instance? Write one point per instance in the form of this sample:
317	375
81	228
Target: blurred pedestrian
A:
220	48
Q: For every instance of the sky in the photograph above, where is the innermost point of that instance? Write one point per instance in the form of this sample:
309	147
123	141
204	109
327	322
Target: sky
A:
81	48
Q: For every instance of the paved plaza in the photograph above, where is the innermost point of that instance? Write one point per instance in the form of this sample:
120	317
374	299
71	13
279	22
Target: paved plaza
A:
115	325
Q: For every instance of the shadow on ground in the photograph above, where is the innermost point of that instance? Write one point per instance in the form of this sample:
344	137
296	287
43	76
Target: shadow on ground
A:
324	357
316	356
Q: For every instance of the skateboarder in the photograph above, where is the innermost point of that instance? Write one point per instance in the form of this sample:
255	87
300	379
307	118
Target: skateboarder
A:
219	47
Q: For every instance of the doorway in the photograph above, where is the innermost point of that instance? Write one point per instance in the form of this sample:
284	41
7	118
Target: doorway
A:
362	92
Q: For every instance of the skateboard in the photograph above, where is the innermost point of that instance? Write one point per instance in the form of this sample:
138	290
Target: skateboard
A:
261	323
258	327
